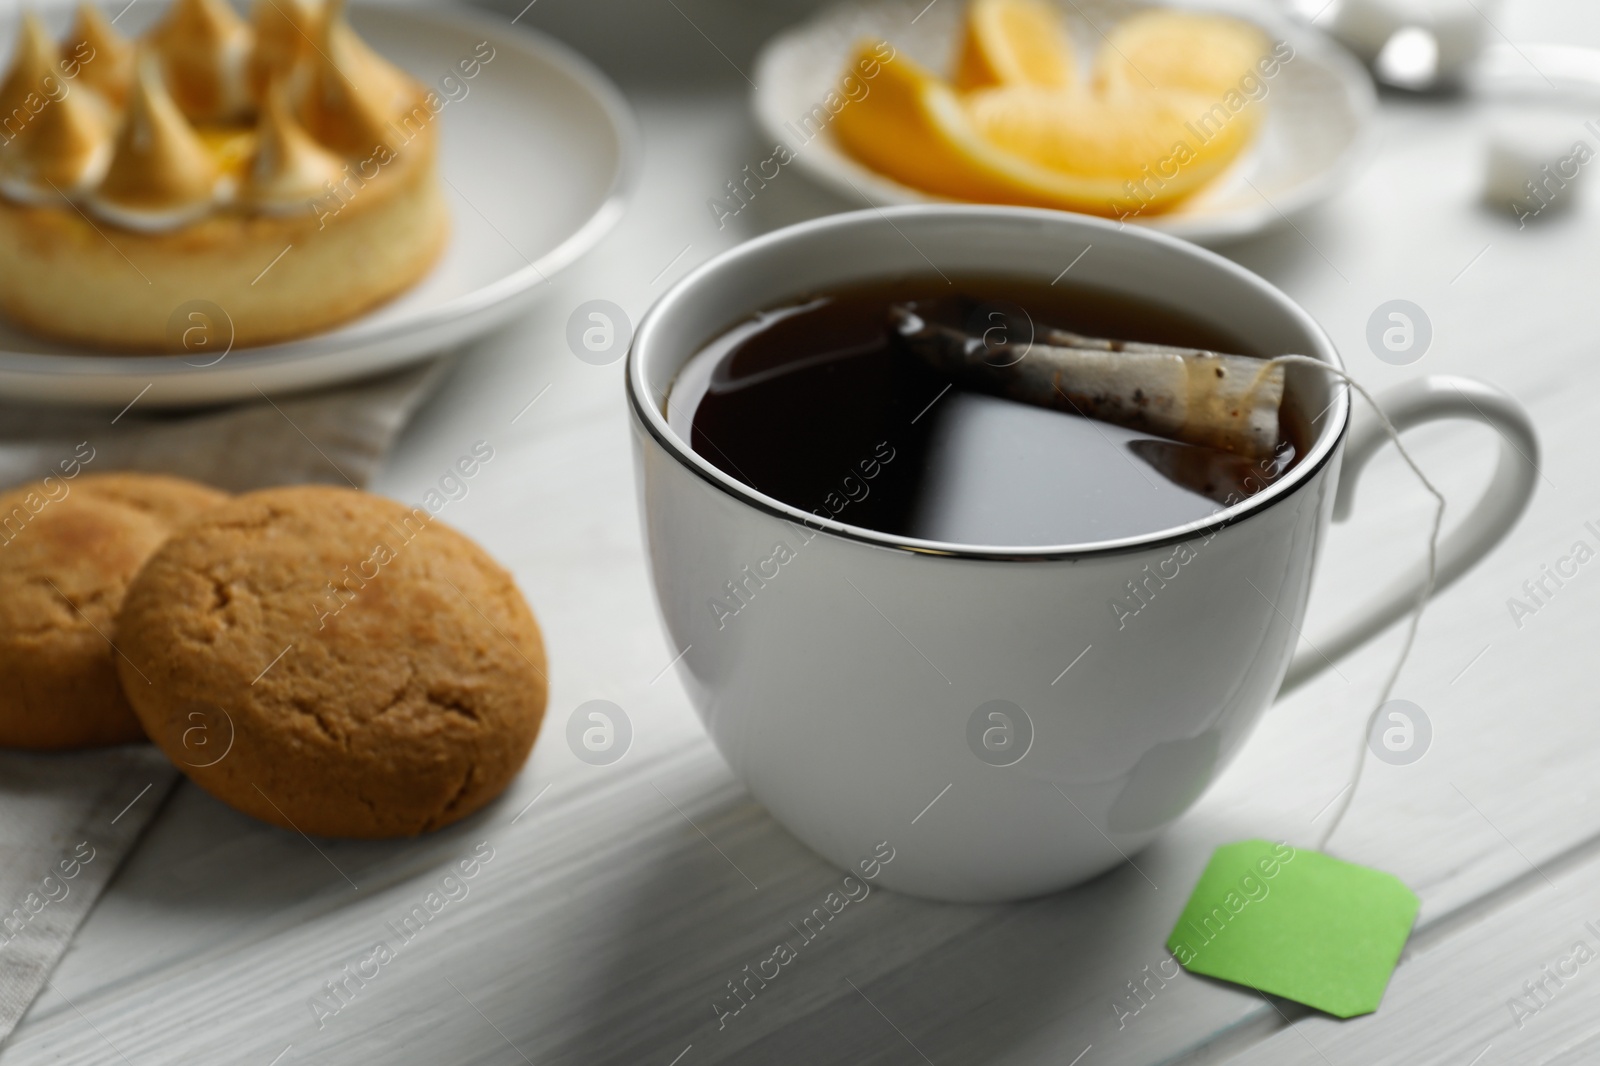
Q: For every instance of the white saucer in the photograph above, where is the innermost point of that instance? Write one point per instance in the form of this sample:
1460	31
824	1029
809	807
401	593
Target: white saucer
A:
1319	108
540	156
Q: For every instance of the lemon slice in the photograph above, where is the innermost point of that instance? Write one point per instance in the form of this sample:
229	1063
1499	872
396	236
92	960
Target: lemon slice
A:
1212	55
914	128
1014	42
1157	147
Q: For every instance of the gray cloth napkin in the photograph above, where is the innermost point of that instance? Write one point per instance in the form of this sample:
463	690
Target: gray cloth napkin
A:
335	436
67	821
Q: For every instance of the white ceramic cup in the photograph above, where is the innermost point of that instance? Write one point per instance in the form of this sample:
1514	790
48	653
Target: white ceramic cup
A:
876	688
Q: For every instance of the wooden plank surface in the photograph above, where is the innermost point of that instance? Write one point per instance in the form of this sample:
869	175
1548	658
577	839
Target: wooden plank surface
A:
619	904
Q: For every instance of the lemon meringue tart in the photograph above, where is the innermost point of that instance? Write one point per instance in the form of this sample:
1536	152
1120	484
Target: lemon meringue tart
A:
276	169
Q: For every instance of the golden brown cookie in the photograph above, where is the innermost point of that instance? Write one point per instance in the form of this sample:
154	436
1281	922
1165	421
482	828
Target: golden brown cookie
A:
68	549
332	662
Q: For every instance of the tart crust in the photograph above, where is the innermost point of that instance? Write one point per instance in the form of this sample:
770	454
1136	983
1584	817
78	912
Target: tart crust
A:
274	277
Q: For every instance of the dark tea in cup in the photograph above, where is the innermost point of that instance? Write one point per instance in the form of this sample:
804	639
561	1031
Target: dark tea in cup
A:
822	404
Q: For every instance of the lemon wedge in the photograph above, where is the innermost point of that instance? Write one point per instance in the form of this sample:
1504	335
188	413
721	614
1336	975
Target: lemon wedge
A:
1155	147
1212	55
914	128
1014	42
1118	155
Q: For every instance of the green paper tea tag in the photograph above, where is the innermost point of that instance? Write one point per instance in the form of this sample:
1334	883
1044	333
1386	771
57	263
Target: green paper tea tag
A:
1296	924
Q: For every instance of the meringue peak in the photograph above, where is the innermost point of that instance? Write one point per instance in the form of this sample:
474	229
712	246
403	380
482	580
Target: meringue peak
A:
203	110
53	141
161	174
290	168
61	152
205	50
98	56
32	73
286	33
355	94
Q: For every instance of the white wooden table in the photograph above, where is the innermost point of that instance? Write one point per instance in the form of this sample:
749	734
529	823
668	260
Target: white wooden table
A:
621	899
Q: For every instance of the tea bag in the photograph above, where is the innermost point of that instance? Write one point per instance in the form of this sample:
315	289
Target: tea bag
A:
1221	477
1185	394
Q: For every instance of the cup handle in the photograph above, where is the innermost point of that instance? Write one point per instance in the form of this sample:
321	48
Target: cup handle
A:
1515	477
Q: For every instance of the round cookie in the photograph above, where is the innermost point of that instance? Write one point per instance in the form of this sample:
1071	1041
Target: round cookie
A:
333	662
68	549
169	500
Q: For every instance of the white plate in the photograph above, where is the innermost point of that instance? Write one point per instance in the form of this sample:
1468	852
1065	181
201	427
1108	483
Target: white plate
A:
1318	114
539	155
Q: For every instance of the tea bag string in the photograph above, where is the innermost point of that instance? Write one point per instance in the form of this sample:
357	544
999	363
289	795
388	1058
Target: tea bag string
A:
1422	597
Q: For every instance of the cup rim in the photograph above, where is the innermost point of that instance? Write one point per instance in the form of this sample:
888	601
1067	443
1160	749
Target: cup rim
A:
654	421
